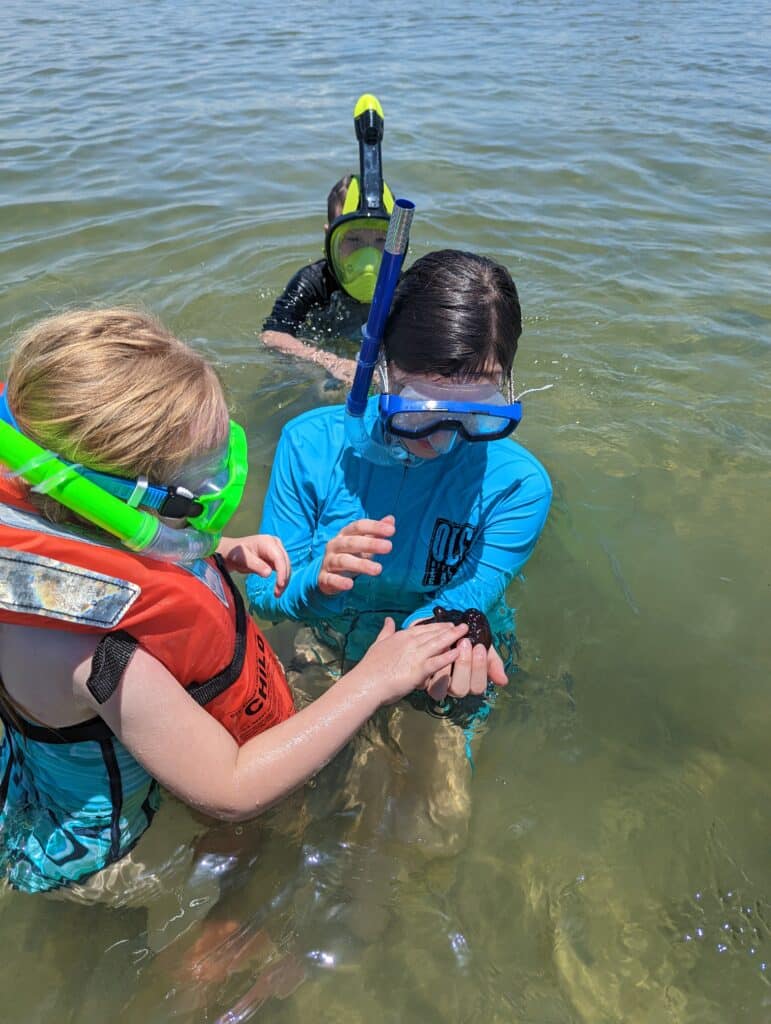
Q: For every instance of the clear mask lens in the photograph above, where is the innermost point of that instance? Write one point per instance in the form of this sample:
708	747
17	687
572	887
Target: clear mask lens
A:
355	252
439	418
206	474
217	480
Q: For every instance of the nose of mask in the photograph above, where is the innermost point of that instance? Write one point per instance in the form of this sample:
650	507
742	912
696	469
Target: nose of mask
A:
360	273
442	441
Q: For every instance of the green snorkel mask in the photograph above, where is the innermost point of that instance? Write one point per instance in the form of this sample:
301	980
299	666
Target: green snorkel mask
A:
355	239
211	493
115	504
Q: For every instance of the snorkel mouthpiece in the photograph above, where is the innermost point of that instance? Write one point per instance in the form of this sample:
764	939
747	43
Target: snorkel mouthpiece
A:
397	241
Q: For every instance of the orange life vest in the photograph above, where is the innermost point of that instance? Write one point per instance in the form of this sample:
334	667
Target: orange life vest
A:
190	617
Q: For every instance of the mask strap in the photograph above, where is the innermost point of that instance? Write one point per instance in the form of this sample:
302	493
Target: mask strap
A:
532	391
134	500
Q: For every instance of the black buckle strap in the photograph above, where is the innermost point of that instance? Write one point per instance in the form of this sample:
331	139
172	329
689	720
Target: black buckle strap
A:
110	661
203	693
179	503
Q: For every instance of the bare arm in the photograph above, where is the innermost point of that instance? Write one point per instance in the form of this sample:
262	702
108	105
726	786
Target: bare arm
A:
192	755
339	367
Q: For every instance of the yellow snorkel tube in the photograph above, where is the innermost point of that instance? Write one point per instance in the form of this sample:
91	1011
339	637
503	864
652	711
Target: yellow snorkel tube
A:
355	239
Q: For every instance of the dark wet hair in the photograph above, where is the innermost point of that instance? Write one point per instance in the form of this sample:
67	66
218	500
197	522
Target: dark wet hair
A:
453	312
336	197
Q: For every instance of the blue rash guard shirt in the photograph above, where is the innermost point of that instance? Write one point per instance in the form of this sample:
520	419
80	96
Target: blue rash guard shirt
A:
466	523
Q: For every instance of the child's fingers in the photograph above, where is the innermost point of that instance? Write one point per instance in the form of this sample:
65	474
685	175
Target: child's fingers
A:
364	545
496	672
256	564
437	634
460	683
264	555
439	681
388	629
353	564
360	546
274	552
370	527
333	583
431	642
478	675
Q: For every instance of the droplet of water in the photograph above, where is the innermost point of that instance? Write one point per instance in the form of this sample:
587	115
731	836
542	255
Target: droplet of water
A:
322	958
460	948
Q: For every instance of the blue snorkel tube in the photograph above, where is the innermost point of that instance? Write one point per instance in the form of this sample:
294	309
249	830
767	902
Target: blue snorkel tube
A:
394	251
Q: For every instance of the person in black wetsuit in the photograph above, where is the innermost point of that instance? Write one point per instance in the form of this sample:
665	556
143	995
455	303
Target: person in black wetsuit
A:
332	295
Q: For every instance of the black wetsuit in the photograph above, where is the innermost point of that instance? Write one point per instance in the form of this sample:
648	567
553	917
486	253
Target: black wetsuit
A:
314	295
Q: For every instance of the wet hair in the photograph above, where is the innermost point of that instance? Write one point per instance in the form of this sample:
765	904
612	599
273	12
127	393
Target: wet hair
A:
114	390
336	198
453	314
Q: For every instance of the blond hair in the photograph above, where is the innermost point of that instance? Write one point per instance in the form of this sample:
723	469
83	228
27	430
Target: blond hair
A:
114	390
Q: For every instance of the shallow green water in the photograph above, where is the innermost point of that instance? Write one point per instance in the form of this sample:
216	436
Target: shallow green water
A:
615	157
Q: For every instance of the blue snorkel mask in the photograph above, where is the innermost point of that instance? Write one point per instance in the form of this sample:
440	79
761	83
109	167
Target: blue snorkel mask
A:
441	411
438	411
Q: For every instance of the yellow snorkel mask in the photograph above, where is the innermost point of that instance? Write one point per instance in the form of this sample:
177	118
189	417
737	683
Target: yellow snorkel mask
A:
355	239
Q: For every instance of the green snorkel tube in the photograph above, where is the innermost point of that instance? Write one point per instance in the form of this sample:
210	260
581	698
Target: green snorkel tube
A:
139	531
397	241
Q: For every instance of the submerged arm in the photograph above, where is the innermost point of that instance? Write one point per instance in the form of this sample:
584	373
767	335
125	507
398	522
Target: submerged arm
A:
311	287
337	366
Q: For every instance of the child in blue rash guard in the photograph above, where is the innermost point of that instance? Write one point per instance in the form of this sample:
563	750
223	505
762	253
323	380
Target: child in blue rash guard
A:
445	521
451	531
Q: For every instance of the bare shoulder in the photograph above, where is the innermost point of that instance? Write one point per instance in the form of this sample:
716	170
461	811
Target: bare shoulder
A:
43	670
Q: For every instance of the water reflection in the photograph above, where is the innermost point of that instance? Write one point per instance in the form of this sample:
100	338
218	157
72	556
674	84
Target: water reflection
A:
614	861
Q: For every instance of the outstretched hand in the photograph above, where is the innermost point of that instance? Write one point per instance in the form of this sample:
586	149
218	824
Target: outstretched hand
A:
400	661
470	674
351	553
260	553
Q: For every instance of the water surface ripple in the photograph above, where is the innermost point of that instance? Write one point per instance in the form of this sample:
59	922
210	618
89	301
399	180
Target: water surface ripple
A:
615	157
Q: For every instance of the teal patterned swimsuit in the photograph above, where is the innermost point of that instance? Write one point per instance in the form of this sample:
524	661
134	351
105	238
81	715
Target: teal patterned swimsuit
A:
72	801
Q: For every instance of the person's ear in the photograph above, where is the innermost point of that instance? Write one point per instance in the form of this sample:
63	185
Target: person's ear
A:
326	228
